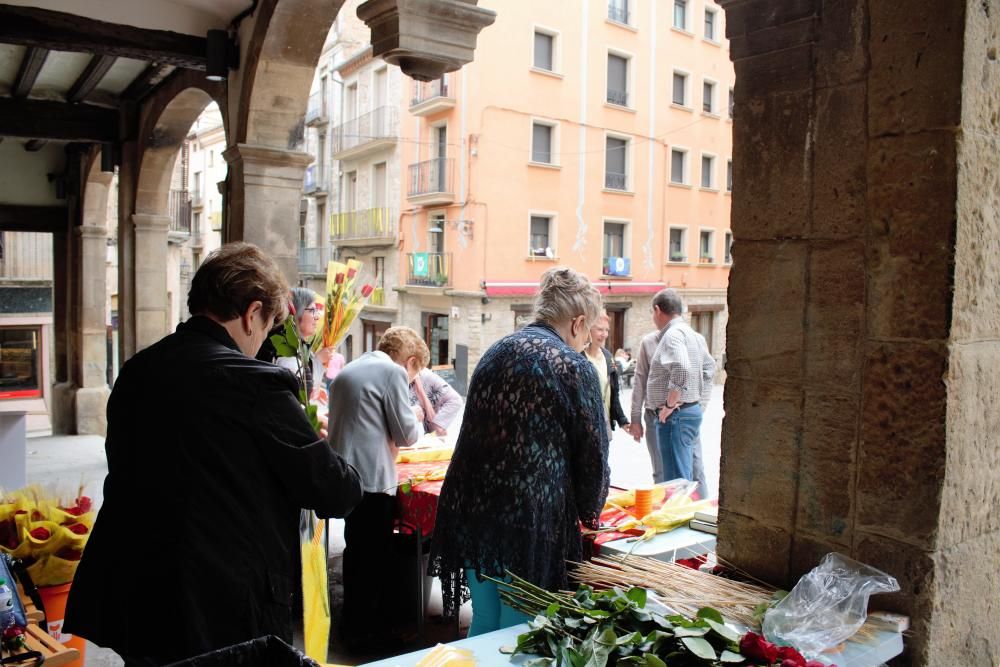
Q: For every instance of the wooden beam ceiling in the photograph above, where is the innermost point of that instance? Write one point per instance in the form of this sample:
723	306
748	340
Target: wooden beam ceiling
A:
89	78
145	82
39	119
17	218
60	31
27	73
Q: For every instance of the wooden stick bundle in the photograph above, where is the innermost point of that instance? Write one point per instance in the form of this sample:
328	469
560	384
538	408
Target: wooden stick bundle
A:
681	588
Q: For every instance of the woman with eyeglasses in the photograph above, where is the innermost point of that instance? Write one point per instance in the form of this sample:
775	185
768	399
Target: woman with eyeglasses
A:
307	317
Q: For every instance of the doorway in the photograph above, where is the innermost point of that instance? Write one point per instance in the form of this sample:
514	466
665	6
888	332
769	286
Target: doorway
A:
436	337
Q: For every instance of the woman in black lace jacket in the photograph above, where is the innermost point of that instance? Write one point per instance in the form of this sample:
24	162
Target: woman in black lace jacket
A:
531	461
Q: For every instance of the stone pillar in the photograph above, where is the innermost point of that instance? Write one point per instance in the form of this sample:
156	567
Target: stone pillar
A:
61	410
151	315
92	395
264	193
863	357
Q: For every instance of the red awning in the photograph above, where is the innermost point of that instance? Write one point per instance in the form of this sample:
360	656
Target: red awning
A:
605	287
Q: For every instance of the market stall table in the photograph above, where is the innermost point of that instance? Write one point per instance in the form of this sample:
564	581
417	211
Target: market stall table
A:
486	650
674	545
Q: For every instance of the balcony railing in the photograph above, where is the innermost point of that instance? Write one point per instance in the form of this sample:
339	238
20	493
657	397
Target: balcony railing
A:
378	297
619	97
313	260
372	223
197	199
179	210
613	181
316	110
377	125
316	179
618	13
428	90
429	269
430	177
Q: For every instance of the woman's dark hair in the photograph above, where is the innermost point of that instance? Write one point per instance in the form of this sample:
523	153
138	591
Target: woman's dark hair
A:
233	277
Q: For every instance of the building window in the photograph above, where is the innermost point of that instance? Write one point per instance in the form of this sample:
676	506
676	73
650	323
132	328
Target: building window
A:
728	249
680	89
545	46
710	24
436	337
731	103
303	216
20	362
196	188
540	241
541	143
707	171
708	97
196	223
729	175
615	172
680	14
617	80
618	11
705	247
614	240
677	244
678	166
372	331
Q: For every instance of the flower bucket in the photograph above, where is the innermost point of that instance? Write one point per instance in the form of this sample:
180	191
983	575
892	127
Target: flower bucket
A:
54	598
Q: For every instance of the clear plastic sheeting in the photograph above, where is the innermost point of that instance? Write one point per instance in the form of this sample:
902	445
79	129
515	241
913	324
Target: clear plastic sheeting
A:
827	606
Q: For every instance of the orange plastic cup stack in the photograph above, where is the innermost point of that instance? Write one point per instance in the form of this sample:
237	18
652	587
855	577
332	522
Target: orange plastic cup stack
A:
643	502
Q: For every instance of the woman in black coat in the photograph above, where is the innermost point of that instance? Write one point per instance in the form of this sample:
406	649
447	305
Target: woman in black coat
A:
210	458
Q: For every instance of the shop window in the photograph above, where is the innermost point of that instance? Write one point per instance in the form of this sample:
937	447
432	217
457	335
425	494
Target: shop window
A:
20	362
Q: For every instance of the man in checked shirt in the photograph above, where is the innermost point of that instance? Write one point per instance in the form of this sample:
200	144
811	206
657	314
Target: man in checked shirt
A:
677	389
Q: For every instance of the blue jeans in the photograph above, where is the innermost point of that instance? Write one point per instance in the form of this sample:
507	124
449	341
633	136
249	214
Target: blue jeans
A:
677	438
488	612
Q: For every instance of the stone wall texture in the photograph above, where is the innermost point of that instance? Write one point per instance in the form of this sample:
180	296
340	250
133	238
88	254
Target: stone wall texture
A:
864	324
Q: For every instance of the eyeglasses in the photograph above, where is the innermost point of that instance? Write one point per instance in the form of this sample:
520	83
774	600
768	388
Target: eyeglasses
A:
314	311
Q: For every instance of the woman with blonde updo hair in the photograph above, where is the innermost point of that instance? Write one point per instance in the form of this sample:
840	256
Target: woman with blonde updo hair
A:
531	460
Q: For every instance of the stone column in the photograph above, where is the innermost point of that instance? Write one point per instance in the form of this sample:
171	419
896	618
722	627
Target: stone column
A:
265	189
863	358
92	395
150	278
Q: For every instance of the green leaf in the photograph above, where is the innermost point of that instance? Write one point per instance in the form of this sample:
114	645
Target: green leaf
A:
724	631
690	632
633	638
552	609
699	647
405	487
710	614
638	596
282	348
653	661
539	662
729	656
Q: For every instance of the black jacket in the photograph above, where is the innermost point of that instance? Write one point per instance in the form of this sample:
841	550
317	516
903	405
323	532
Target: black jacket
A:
210	458
617	414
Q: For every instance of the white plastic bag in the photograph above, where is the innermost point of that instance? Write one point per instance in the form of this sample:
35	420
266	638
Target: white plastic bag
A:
827	605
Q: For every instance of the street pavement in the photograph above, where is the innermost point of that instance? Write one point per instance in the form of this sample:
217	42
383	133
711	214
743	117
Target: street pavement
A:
73	462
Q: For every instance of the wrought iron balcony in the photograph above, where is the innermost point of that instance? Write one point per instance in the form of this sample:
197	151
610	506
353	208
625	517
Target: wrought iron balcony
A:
316	180
366	133
619	97
314	260
618	13
614	181
179	210
429	269
373	226
316	110
430	97
431	181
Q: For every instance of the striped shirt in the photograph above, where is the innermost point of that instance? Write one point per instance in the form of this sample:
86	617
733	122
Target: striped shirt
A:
681	361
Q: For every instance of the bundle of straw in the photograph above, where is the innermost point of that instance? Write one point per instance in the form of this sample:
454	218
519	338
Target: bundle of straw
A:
682	589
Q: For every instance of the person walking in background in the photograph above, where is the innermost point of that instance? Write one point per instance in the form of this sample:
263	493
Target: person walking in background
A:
439	401
531	462
607	373
678	385
370	419
232	465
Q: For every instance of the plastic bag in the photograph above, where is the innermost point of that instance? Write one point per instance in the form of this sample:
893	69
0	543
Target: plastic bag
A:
827	605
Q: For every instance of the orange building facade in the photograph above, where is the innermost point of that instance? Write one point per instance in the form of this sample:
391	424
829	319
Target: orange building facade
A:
589	133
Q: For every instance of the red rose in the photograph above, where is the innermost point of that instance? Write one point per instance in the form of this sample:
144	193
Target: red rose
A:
79	529
75	511
85	503
366	291
339	279
351	273
41	533
789	657
291	309
817	663
755	647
